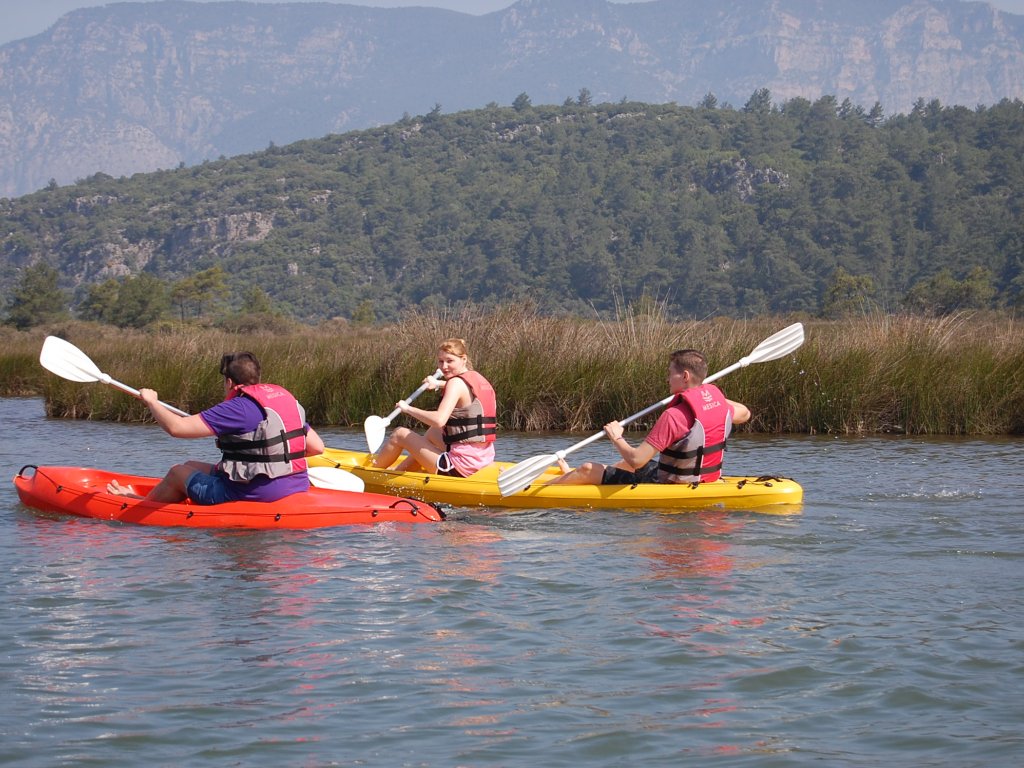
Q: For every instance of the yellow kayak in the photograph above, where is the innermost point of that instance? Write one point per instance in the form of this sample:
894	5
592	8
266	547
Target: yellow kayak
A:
773	495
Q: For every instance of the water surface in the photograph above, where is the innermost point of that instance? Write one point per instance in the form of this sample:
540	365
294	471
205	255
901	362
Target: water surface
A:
880	626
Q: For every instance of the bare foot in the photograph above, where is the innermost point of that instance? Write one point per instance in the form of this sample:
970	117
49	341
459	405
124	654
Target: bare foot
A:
116	489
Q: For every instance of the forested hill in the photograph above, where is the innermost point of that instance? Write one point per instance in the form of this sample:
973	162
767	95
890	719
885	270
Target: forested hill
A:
793	207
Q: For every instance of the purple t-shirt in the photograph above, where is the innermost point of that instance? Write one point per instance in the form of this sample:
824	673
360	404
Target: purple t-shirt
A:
238	416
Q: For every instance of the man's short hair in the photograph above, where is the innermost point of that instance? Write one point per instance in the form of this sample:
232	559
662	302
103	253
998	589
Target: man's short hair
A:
690	360
241	367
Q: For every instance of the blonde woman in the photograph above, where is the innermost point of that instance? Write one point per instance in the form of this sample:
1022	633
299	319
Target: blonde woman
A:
461	432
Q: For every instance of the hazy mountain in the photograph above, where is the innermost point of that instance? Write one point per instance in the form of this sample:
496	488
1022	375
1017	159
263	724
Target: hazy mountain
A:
139	86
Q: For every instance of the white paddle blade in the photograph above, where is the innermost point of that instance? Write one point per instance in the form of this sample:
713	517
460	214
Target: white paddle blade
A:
779	344
524	473
775	346
374	427
68	361
334	479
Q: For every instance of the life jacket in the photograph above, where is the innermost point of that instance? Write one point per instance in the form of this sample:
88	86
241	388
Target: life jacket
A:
697	457
277	447
477	423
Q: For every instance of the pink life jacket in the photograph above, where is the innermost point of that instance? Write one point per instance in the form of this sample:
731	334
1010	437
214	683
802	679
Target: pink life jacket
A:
477	423
277	447
698	456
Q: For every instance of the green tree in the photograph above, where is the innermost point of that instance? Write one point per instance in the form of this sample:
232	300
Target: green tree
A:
363	314
257	301
876	115
200	291
848	295
943	294
143	300
133	302
100	301
760	102
36	299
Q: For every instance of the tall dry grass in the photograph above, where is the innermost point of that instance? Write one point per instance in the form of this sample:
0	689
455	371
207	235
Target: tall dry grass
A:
880	373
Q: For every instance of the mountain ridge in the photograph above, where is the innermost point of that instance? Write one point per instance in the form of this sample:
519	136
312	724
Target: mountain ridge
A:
134	87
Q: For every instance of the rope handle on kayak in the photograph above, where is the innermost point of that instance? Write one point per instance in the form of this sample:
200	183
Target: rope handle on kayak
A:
765	480
415	508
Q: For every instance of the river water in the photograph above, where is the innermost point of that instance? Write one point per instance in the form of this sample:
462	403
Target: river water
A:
882	625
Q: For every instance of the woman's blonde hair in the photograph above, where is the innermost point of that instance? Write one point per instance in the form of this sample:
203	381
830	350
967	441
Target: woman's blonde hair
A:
456	347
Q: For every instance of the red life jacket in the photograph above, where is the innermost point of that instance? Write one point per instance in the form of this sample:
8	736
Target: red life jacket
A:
477	423
697	457
277	447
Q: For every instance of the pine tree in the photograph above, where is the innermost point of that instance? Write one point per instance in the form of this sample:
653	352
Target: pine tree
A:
37	299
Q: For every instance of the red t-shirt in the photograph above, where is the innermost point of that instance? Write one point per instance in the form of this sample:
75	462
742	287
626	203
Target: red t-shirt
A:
672	425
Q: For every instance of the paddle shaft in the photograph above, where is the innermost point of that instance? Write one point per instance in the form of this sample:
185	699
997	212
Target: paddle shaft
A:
419	391
135	393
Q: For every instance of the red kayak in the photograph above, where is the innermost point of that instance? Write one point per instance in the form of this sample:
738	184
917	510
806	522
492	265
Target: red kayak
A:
82	491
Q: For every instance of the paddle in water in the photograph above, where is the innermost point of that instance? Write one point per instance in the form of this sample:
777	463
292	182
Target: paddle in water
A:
69	362
525	472
375	427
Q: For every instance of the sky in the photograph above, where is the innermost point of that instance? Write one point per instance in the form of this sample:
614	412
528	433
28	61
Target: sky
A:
24	18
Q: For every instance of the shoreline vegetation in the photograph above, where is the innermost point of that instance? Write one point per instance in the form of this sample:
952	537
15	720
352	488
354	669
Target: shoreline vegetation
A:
960	374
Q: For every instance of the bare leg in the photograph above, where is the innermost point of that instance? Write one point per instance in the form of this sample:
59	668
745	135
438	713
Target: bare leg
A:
587	473
169	490
423	450
391	449
172	488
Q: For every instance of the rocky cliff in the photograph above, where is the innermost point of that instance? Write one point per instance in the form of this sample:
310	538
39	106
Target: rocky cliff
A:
134	87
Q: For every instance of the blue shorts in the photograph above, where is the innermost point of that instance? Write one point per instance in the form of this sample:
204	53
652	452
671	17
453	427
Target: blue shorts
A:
206	489
648	473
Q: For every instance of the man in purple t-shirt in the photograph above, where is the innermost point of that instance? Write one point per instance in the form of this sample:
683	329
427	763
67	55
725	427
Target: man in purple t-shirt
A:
206	483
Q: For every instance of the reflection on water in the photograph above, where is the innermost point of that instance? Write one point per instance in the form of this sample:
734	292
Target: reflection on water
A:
703	549
880	626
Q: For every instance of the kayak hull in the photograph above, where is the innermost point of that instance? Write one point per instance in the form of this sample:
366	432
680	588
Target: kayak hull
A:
763	494
82	491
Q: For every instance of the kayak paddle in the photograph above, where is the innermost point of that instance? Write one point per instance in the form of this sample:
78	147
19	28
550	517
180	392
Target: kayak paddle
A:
375	426
525	472
69	362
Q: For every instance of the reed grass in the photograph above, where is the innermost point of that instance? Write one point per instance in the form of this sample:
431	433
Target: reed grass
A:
956	375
